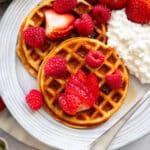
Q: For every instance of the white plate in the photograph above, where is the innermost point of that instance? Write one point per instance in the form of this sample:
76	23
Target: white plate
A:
15	82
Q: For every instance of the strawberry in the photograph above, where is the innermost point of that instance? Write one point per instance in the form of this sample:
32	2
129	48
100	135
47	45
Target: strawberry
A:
81	87
92	80
114	80
114	4
64	6
2	105
69	103
58	25
138	11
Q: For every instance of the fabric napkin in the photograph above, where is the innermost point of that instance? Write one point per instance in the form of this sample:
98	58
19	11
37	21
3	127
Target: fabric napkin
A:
9	124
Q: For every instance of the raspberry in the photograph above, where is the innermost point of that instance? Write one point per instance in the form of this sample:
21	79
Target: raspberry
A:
2	105
84	25
34	36
94	58
56	67
114	80
64	6
101	14
34	99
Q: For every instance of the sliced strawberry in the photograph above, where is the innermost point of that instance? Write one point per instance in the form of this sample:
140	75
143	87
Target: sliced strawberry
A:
92	80
81	75
69	103
80	87
58	25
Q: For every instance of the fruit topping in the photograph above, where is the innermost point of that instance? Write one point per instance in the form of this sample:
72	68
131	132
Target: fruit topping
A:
101	13
114	4
138	11
34	36
64	6
56	67
93	2
81	93
69	103
2	105
84	25
114	80
94	58
58	25
34	99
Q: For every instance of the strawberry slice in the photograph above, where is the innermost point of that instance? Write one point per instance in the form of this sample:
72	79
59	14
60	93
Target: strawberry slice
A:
58	25
92	80
69	103
79	87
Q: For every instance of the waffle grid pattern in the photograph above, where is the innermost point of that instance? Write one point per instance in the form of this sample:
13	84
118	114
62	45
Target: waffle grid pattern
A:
74	51
32	58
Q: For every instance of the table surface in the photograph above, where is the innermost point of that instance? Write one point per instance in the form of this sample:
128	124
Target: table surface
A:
141	144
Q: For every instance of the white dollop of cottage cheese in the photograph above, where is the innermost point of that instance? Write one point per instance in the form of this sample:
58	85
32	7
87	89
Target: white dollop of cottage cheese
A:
132	41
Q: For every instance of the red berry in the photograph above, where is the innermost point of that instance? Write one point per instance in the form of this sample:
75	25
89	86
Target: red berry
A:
114	80
138	11
84	25
34	36
56	67
94	58
2	105
81	93
64	6
58	25
93	2
34	99
101	13
114	4
69	103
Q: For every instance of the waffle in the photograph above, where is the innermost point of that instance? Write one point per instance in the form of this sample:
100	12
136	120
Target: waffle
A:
31	57
74	51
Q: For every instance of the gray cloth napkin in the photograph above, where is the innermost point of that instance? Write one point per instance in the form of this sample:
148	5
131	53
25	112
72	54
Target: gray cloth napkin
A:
9	124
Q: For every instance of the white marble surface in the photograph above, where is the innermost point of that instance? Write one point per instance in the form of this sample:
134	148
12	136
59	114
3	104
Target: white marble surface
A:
9	124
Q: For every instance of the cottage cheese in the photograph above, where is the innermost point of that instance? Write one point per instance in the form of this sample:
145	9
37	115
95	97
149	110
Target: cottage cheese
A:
132	41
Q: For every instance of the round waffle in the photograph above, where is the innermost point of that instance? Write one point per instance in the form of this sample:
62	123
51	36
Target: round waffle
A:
31	57
74	51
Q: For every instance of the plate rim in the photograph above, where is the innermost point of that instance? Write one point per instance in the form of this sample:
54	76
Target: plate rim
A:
4	95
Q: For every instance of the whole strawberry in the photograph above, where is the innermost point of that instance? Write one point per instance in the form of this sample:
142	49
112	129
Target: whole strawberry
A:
64	6
56	67
34	99
84	25
138	11
101	13
34	36
114	4
2	105
114	80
